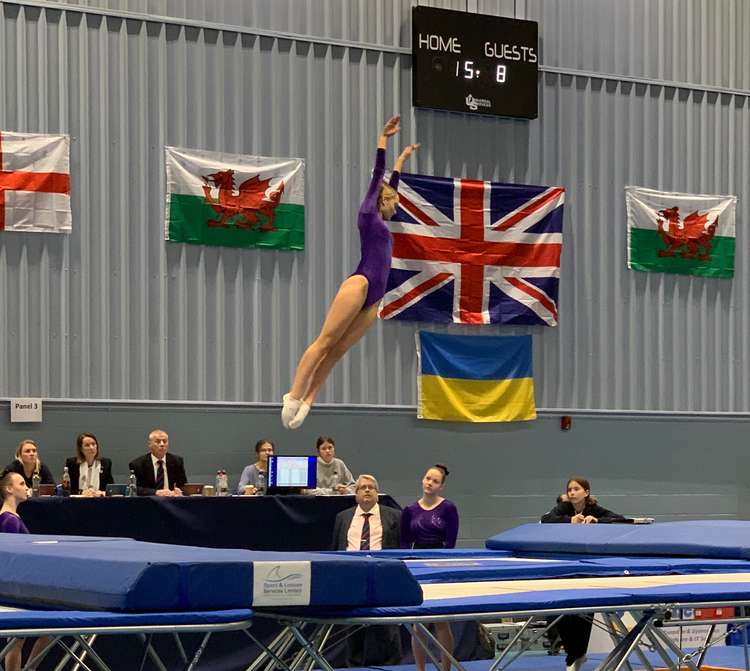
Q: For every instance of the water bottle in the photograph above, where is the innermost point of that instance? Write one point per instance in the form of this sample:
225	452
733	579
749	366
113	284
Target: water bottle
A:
218	486
35	482
224	484
261	488
132	485
66	482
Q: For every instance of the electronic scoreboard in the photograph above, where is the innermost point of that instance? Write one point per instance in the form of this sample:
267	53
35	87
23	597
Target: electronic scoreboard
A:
465	62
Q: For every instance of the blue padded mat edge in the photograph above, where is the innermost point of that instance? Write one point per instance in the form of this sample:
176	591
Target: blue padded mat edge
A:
127	575
717	539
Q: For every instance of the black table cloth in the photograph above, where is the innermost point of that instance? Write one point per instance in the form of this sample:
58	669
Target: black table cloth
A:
295	523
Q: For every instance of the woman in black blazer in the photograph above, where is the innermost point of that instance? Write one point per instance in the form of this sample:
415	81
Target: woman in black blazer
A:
89	472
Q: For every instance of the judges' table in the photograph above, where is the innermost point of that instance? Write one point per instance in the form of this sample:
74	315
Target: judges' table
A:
293	523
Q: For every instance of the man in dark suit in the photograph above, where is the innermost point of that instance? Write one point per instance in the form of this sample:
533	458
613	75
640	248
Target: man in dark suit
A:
158	472
369	526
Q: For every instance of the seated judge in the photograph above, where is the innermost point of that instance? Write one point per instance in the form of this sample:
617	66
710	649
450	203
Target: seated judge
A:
333	475
89	472
27	462
159	472
368	526
255	476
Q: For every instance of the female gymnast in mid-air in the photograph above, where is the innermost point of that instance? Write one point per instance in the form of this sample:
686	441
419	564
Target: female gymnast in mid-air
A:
356	304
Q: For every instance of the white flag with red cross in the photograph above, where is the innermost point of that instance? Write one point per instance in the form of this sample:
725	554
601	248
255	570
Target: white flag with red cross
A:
35	182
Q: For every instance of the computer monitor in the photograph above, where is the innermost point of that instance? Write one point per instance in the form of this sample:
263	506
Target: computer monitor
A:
288	474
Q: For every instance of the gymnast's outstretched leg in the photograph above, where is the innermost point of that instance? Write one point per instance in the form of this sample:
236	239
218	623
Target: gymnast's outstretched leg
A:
356	330
345	308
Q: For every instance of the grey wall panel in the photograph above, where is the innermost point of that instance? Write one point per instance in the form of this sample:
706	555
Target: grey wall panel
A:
112	311
697	41
501	476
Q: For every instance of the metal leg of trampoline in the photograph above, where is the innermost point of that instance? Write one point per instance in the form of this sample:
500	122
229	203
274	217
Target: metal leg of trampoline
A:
314	638
615	618
33	661
180	647
267	651
619	655
199	651
8	647
706	645
661	651
525	647
321	646
268	654
64	661
79	660
310	649
284	645
612	628
744	646
496	664
90	650
682	659
440	647
425	647
149	650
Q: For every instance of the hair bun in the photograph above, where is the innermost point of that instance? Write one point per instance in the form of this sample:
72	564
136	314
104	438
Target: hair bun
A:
443	468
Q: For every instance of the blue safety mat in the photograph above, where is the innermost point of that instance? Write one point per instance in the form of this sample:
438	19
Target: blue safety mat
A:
718	539
79	619
553	600
452	553
127	575
483	568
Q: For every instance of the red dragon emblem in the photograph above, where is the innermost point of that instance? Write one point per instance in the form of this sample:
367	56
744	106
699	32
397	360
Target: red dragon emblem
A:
248	207
690	238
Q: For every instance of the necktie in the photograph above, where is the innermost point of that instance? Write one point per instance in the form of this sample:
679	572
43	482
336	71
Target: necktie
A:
160	474
364	539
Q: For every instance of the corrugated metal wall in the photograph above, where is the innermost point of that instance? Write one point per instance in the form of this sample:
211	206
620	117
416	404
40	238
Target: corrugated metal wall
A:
112	311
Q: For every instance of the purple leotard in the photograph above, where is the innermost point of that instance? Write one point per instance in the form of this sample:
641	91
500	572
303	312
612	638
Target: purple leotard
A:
436	528
12	524
375	238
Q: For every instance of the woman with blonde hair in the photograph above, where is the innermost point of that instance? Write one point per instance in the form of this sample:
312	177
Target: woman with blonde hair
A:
27	462
355	306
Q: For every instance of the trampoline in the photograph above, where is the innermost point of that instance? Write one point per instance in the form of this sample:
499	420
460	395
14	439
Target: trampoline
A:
538	572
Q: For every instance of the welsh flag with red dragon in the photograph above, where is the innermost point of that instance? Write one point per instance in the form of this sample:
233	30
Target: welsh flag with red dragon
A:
691	234
234	200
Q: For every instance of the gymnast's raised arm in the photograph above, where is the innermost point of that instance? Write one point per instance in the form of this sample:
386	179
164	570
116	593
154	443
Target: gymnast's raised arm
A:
409	149
370	201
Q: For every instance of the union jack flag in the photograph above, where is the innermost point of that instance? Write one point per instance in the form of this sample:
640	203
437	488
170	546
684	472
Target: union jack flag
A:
475	252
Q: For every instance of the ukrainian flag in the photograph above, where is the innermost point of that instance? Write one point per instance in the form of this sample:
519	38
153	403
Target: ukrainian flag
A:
474	378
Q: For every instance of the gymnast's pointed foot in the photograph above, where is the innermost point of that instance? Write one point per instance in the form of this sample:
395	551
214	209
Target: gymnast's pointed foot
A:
290	410
300	416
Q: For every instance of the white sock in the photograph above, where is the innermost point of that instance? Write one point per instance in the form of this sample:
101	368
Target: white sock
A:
300	416
290	409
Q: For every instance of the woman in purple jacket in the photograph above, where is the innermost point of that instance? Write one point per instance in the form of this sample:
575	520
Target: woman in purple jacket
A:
356	304
431	522
14	492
